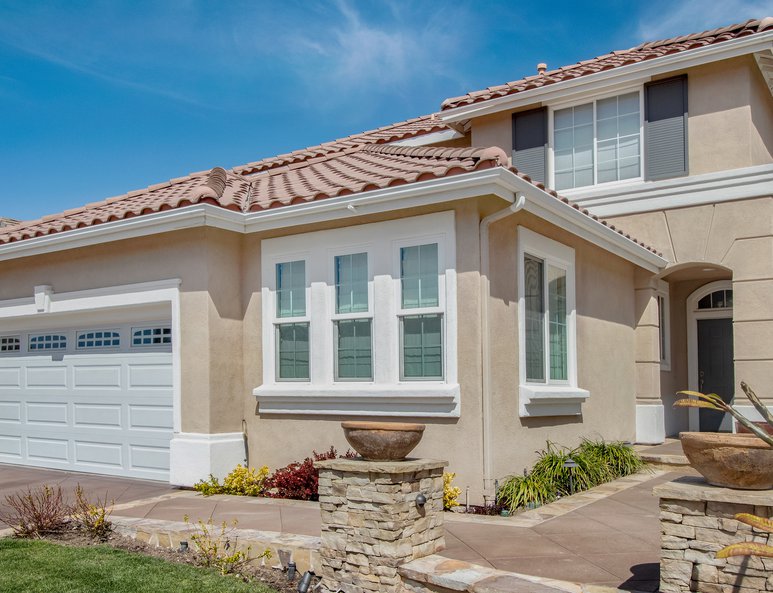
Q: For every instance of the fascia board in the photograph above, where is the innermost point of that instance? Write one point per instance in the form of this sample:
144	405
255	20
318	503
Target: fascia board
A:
130	228
547	207
601	81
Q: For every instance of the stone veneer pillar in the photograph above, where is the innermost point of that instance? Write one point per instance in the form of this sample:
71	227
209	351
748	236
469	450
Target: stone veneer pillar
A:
696	520
371	523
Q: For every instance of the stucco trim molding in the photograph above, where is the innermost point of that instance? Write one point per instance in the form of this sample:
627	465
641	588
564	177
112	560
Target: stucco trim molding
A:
550	400
647	196
650	424
422	401
194	456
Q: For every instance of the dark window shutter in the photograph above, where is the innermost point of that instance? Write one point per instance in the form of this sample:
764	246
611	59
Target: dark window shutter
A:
530	140
665	128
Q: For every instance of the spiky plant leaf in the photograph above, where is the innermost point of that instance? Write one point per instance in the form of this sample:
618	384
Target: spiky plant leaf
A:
755	521
694	403
709	397
757	402
746	549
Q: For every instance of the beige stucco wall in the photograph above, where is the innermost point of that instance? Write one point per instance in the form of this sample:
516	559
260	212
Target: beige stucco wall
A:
605	349
701	242
207	261
730	118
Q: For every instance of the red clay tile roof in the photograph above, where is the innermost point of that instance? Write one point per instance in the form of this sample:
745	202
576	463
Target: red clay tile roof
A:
615	59
345	173
4	221
348	172
400	131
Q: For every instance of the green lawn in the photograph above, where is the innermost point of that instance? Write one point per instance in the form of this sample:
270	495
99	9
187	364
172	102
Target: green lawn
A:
42	567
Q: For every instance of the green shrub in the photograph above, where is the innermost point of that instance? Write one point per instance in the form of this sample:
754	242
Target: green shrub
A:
242	481
597	462
92	517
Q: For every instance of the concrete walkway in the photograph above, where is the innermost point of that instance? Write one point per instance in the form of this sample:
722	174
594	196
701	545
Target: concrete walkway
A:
611	540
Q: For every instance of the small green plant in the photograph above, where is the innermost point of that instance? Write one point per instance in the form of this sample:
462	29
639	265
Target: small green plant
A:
37	512
209	486
242	481
450	492
245	481
218	548
595	462
750	548
93	518
711	401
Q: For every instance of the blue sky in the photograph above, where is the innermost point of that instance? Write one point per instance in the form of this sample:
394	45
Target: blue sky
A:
99	98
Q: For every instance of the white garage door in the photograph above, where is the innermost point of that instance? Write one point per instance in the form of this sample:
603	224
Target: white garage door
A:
96	400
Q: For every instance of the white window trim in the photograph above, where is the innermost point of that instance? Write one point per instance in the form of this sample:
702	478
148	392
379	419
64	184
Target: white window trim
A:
386	394
664	335
552	398
584	101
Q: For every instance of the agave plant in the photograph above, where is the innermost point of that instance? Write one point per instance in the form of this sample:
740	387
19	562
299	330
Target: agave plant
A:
750	548
712	401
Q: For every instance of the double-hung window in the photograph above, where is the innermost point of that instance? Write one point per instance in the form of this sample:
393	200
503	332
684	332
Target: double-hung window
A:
292	327
361	320
421	317
352	318
548	361
597	142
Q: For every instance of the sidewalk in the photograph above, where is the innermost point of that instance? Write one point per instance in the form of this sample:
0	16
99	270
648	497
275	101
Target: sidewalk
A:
613	539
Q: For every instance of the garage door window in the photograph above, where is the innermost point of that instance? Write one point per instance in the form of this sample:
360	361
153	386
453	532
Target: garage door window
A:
10	344
48	342
151	336
98	339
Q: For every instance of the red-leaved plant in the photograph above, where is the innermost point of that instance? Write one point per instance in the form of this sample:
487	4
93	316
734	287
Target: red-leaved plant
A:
300	480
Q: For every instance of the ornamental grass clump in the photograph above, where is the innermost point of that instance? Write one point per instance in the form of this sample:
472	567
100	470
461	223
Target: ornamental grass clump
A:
552	476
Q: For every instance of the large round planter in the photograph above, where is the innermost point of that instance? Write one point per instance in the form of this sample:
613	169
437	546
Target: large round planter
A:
383	441
741	461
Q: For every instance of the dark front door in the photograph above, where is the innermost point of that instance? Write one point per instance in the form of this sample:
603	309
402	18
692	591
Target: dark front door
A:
715	366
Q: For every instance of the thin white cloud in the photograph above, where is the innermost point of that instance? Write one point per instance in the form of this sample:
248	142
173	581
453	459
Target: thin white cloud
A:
661	21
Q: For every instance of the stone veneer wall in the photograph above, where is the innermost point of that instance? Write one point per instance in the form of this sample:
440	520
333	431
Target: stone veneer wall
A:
696	521
371	523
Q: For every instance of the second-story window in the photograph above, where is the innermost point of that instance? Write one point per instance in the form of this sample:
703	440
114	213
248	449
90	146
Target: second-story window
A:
597	142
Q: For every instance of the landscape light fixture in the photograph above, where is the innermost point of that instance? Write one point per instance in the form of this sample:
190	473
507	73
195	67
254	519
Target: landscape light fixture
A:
183	547
421	500
570	464
291	570
305	582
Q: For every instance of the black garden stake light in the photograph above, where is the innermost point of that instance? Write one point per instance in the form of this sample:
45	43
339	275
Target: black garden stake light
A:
570	464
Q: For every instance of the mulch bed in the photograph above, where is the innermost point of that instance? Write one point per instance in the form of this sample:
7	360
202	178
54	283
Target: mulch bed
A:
272	577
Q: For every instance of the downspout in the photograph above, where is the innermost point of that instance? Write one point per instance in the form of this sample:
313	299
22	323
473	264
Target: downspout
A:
485	293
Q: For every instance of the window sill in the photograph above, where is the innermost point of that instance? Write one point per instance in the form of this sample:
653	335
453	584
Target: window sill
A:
419	400
550	400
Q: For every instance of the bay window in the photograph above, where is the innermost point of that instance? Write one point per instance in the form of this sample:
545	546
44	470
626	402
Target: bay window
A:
361	319
547	343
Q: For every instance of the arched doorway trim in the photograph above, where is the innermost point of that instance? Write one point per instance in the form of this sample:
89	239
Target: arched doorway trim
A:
693	315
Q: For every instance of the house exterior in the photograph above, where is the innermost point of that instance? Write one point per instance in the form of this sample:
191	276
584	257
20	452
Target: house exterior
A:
464	269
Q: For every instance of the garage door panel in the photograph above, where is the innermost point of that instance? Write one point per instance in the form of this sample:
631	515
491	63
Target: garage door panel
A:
47	376
149	458
10	411
97	415
100	410
10	446
150	376
99	453
10	378
150	417
48	449
97	377
47	413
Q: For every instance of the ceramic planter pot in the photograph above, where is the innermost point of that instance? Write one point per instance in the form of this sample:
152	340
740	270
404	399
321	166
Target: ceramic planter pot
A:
383	441
740	461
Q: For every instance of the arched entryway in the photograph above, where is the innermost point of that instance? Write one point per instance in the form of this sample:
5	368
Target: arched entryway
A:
709	312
